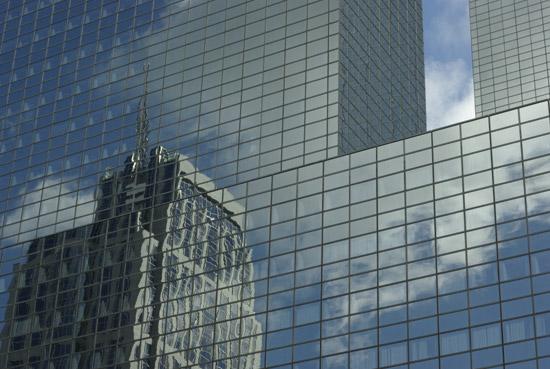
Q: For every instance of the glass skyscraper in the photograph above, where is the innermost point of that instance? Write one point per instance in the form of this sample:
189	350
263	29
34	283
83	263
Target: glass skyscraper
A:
243	88
381	72
247	184
509	42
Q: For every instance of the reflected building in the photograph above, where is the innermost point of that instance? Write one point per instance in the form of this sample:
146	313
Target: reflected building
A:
161	279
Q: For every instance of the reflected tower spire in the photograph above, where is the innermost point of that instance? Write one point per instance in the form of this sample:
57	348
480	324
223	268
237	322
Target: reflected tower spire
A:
142	124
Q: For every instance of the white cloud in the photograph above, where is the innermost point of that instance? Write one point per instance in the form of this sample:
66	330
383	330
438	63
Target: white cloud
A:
449	83
52	208
449	93
448	26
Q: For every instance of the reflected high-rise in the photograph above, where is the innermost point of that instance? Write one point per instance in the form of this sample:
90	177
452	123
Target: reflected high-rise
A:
162	270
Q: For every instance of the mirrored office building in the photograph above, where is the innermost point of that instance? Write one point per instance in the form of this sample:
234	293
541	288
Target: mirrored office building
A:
429	252
242	88
509	43
247	184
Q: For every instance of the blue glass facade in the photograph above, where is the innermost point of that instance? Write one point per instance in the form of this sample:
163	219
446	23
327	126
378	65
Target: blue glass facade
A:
429	252
206	212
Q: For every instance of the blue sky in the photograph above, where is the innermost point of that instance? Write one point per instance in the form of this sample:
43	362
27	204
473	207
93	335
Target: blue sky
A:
448	61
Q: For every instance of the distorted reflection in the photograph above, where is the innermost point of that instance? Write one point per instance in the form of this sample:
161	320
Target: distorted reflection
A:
161	278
